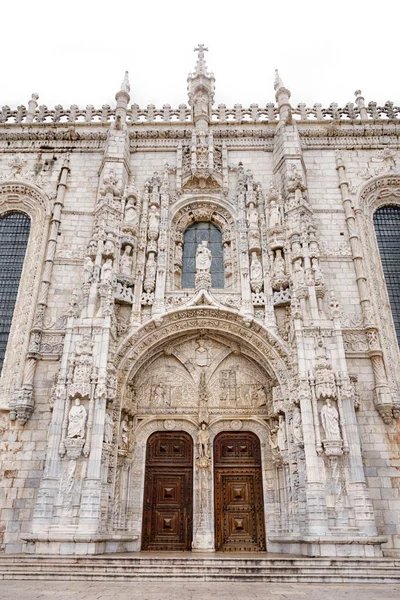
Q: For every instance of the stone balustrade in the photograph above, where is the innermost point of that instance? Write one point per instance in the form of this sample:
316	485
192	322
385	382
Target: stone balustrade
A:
221	114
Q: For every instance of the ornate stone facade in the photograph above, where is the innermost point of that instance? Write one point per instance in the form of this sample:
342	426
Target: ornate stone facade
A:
107	348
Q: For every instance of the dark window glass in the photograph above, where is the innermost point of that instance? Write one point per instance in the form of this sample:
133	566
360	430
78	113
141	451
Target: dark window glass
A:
14	235
194	235
387	229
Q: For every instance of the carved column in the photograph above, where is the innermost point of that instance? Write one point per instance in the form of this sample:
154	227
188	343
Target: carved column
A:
159	294
23	405
383	399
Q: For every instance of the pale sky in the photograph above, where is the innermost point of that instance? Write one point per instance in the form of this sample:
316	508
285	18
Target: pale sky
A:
76	52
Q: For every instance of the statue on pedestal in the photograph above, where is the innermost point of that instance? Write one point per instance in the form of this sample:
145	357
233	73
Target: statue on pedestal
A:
203	440
330	421
76	420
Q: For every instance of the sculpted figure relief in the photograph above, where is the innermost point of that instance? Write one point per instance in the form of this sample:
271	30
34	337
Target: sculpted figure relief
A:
151	266
107	270
203	257
76	420
330	421
108	428
252	217
154	219
125	443
298	274
279	264
201	353
316	269
296	426
203	440
261	396
255	268
275	216
200	104
281	435
125	262
130	212
159	395
88	270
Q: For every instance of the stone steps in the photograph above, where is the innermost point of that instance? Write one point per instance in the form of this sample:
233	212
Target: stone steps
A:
195	568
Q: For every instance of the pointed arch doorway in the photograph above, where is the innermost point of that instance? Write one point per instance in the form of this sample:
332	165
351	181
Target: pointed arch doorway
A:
239	506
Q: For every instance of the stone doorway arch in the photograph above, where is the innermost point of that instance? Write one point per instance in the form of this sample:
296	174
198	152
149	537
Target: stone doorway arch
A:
198	346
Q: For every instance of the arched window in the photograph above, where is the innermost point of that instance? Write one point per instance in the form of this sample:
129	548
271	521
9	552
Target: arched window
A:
387	229
14	235
194	235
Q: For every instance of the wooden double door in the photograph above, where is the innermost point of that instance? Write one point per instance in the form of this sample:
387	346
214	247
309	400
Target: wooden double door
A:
168	492
239	507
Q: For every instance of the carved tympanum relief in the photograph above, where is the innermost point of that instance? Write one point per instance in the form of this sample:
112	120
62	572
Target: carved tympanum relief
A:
201	370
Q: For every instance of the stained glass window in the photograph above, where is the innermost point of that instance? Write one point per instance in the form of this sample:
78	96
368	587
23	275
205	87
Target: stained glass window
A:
14	235
387	229
194	235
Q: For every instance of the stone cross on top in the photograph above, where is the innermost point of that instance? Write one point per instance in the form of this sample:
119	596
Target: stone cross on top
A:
201	63
201	49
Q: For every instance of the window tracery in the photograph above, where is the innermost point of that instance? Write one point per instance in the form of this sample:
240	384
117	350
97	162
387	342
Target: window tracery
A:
14	235
387	229
193	237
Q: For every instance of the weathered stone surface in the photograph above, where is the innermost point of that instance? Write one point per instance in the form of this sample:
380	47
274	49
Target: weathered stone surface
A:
108	347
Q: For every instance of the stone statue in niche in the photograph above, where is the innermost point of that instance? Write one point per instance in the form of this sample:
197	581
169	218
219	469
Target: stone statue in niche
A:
316	269
255	268
203	440
252	217
281	434
130	212
298	274
151	266
108	428
125	262
275	216
330	421
200	104
154	219
126	435
279	264
88	270
227	251
273	438
109	248
76	420
178	253
107	270
203	257
296	426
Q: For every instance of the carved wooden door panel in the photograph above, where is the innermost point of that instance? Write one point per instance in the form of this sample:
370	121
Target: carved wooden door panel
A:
168	492
239	509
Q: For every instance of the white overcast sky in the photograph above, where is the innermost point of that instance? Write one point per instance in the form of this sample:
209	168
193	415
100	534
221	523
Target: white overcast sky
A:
76	52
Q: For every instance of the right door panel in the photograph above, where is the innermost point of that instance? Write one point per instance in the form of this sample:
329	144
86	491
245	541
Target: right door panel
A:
239	510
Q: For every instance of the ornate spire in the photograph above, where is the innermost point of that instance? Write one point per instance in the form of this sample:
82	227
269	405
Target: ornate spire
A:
278	83
282	96
122	97
201	89
125	87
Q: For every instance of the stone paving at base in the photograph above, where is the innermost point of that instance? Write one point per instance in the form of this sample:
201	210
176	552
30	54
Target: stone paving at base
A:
82	590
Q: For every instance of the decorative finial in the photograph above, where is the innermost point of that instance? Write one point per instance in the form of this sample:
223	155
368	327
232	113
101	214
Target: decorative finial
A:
278	83
125	87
